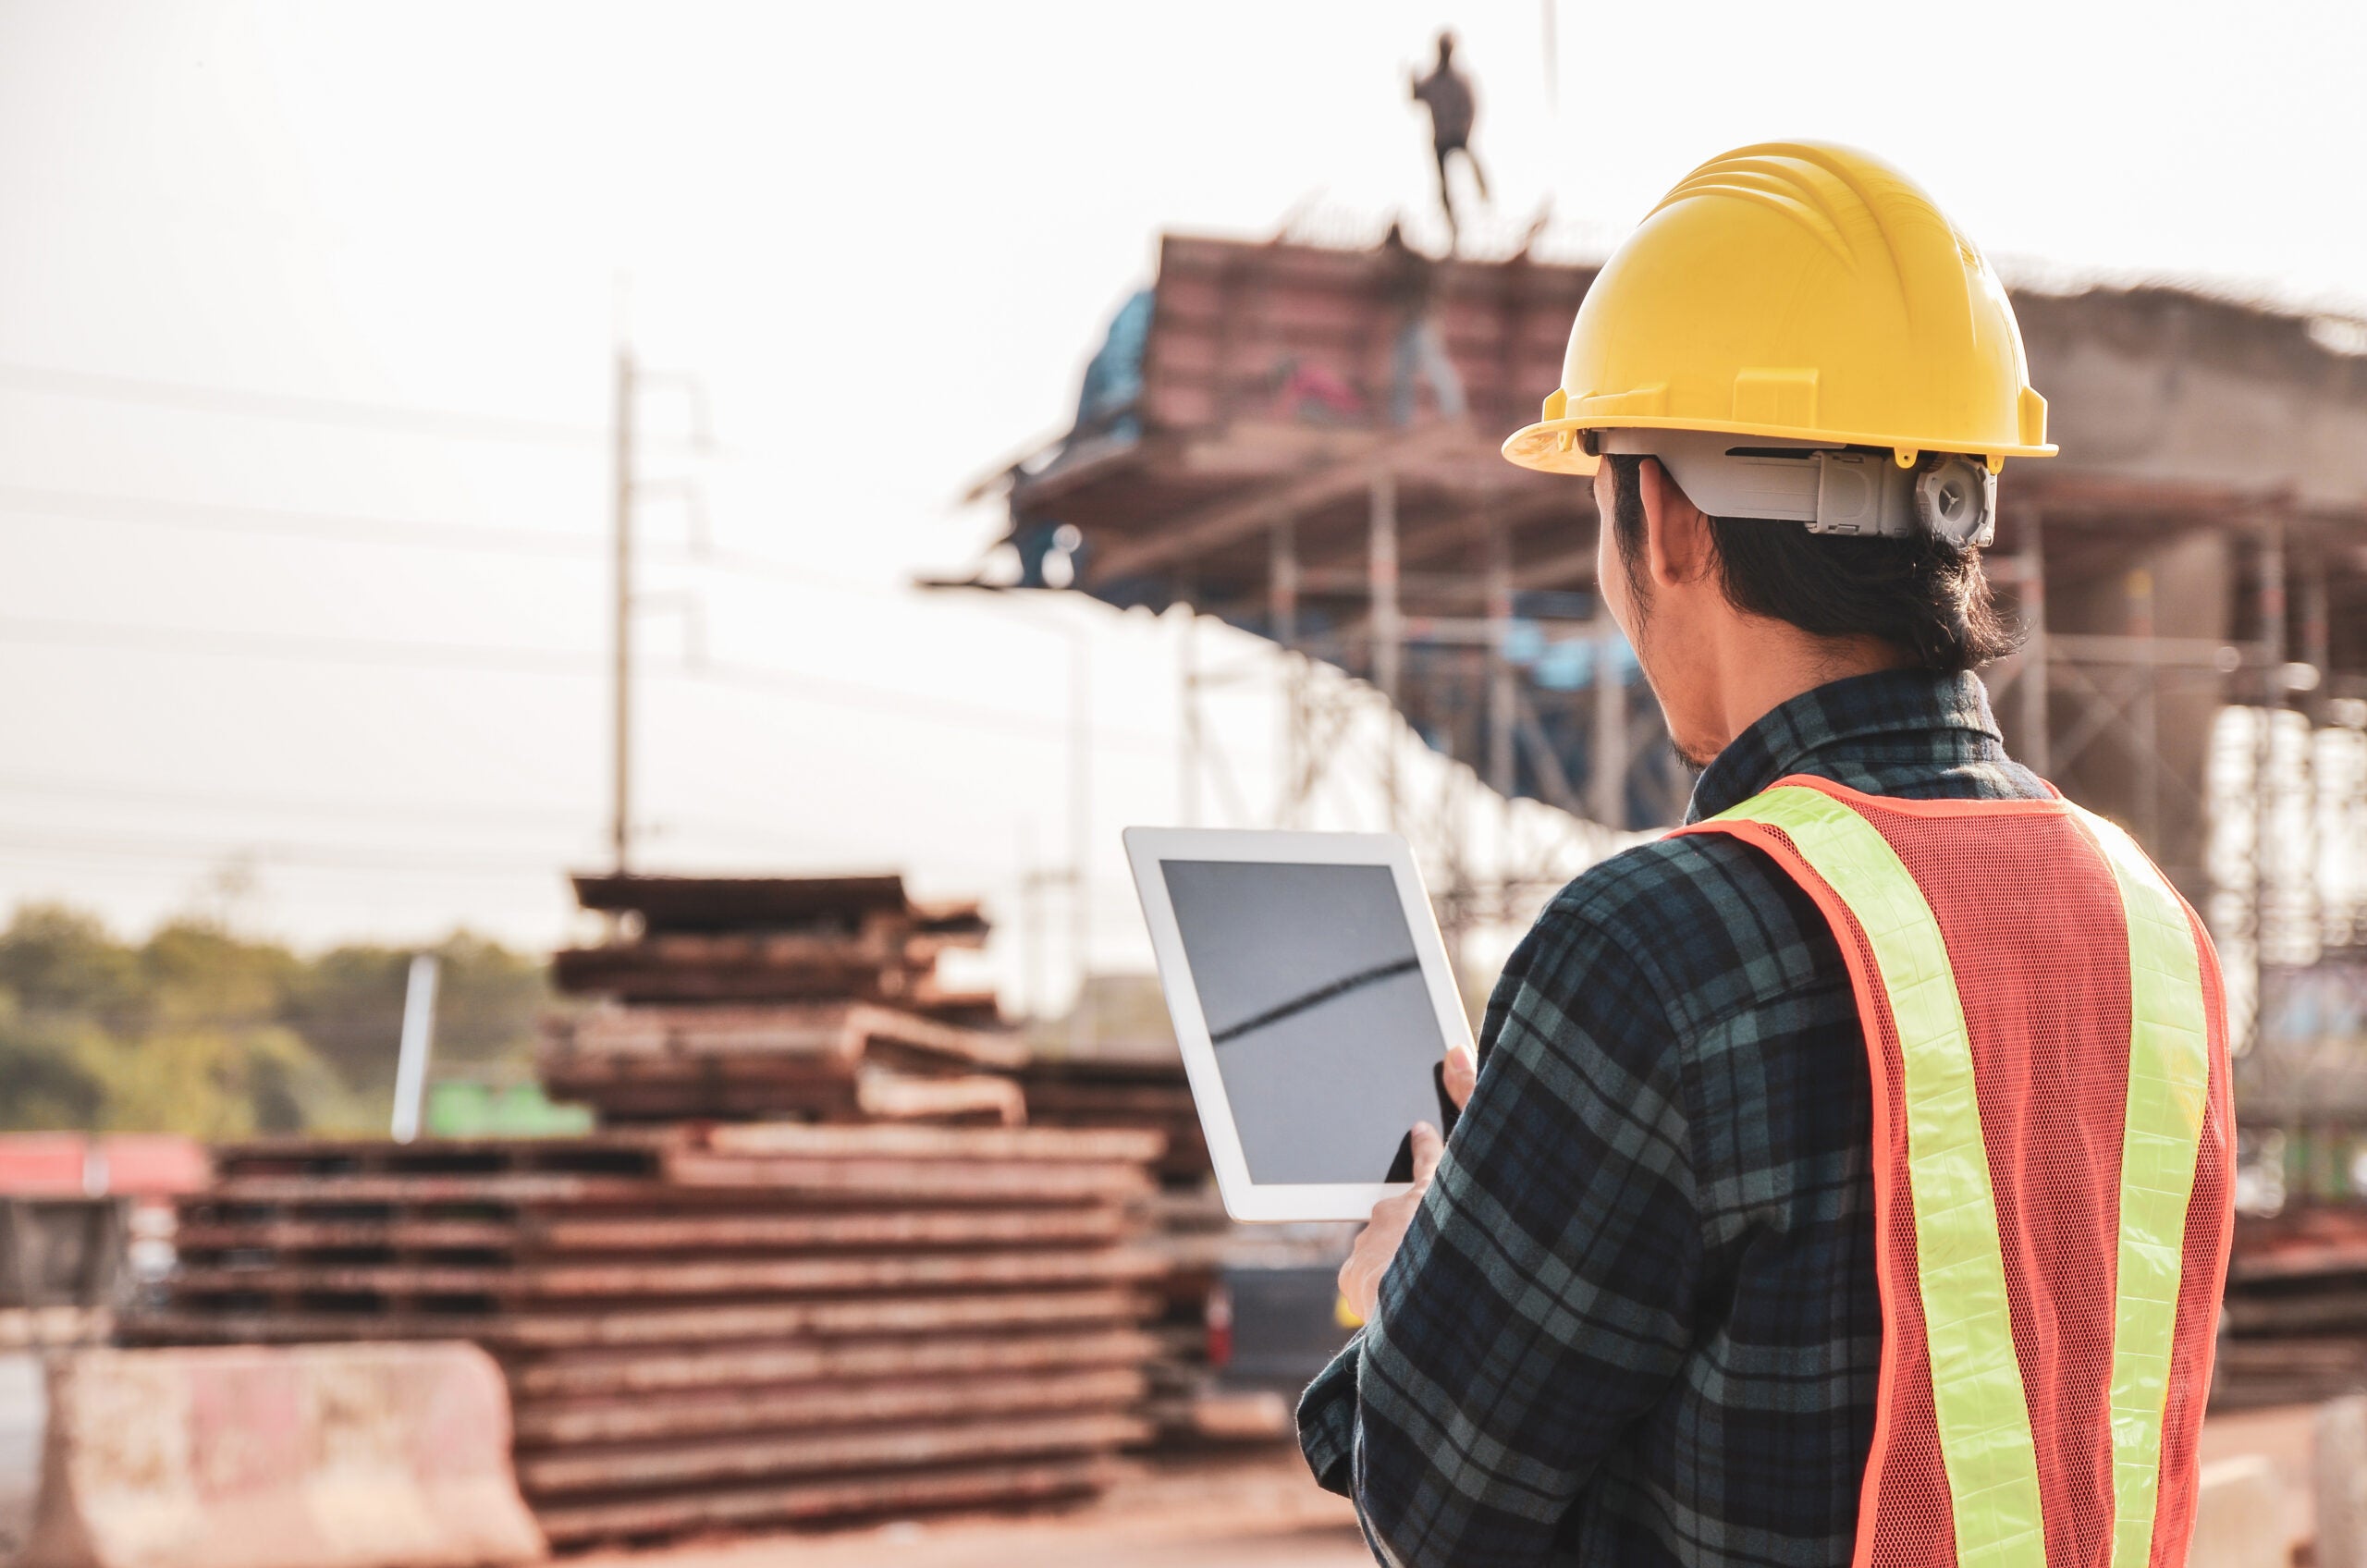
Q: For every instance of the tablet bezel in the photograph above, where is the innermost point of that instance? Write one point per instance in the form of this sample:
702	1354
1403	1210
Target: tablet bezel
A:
1145	848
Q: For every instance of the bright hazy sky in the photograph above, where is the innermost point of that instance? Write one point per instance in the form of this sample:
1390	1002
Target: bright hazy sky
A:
305	314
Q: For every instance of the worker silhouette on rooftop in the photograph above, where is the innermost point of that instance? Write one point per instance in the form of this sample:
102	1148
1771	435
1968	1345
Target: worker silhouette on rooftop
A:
1446	93
1409	289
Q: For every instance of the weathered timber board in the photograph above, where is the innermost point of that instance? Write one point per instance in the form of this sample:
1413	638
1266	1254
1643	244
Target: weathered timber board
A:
582	1074
859	1228
603	1154
728	903
1143	1100
818	1406
802	1276
2343	1262
497	1187
748	969
2323	1312
951	1181
573	1373
1034	1145
198	1240
646	1104
833	1034
659	1464
526	1331
850	1496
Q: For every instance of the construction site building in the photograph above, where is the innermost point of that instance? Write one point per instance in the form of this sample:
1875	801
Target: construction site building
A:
2191	574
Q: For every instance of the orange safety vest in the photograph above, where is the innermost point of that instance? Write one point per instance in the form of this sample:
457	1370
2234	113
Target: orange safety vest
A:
2054	1169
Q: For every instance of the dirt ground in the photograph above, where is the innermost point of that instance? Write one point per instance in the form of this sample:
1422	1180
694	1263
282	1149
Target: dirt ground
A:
2286	1437
1252	1509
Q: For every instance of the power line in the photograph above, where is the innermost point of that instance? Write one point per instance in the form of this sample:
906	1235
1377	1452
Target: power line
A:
273	523
446	814
365	811
490	658
362	529
496	659
408	420
333	857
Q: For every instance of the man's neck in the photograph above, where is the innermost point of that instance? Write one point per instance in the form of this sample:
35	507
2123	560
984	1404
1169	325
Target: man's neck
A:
1765	664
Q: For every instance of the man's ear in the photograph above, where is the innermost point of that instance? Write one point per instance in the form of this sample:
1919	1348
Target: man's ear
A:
1677	534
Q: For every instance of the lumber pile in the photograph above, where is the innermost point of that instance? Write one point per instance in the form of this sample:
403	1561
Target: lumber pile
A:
812	998
1147	1093
1193	1401
737	1325
2295	1322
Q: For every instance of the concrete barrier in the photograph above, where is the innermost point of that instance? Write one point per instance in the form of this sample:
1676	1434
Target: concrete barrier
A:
24	1413
2239	1519
2338	1477
288	1456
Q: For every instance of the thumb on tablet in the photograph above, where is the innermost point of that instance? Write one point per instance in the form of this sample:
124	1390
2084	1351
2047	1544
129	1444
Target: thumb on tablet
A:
1462	1074
1428	1147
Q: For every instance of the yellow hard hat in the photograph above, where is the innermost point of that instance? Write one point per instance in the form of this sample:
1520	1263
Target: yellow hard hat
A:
1798	291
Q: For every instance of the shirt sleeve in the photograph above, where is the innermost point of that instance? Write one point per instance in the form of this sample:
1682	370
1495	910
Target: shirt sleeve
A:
1543	1298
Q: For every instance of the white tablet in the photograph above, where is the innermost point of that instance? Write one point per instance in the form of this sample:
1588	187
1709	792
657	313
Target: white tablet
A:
1313	998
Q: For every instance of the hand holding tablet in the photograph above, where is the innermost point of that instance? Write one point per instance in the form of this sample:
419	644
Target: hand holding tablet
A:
1315	1007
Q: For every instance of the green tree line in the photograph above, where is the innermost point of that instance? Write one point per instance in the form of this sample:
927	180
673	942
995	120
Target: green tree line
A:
196	1029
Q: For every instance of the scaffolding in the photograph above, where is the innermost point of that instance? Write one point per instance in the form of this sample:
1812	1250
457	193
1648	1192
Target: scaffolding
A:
2200	547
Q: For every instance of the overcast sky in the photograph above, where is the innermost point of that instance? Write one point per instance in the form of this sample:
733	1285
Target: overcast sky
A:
306	312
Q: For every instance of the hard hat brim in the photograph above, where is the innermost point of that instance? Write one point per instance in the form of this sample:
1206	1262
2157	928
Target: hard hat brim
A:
1541	446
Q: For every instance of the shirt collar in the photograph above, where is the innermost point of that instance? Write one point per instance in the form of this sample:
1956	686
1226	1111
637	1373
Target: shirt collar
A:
1889	702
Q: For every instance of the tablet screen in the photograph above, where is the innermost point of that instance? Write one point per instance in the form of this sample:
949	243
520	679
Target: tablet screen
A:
1322	1021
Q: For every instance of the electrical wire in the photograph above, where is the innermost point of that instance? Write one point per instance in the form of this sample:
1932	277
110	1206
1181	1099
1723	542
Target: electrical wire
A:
24	503
333	857
431	813
486	658
496	659
408	420
439	814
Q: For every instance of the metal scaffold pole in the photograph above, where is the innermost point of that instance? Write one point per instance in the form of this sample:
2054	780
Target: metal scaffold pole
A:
1282	609
1607	768
2032	583
1503	693
2146	721
1081	1019
2272	642
1193	742
620	823
1388	629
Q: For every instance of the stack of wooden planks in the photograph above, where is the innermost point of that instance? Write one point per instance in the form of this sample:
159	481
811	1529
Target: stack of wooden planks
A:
1149	1093
829	1061
1193	1401
731	1326
2294	1327
815	997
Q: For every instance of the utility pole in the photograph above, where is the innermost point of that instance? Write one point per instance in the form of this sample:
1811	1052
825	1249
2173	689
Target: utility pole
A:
620	825
1083	1026
632	385
1388	627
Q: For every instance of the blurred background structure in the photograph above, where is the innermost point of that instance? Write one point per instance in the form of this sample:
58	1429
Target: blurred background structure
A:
2187	576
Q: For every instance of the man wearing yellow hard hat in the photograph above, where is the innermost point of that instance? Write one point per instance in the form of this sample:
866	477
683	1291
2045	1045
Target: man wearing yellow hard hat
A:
1847	1176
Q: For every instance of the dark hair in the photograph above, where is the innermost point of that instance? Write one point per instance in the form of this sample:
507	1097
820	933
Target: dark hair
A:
1923	594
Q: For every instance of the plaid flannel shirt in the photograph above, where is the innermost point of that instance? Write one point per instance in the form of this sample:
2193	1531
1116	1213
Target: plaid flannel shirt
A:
1636	1318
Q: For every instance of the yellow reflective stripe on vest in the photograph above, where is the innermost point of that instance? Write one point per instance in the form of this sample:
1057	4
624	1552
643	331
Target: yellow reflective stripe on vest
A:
1982	1415
2169	1085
